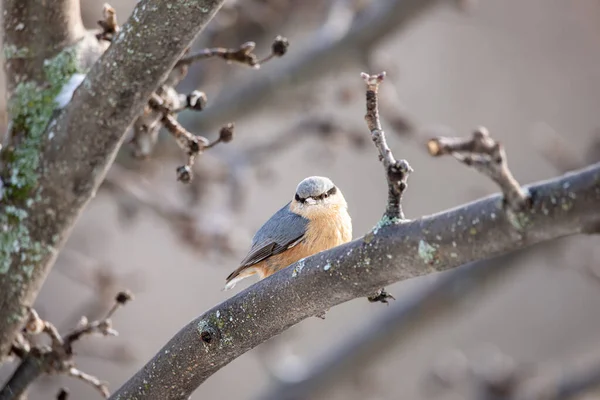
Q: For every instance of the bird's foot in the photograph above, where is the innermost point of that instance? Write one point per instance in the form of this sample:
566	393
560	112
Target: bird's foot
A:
381	296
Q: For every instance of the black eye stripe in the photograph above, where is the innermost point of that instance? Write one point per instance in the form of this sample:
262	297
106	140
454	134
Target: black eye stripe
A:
322	196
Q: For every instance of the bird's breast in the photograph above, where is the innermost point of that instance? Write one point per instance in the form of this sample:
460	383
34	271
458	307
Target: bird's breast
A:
328	230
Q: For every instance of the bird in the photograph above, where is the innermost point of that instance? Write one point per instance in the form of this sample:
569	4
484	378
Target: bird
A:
316	219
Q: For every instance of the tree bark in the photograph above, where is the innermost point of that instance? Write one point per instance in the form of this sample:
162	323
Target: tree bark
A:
55	163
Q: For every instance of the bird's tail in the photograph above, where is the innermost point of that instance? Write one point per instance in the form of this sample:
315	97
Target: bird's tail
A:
237	275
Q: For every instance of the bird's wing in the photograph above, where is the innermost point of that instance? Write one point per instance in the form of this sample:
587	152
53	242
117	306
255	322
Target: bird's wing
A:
282	231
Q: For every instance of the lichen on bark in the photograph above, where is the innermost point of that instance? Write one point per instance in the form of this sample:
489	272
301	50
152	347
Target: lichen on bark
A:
31	108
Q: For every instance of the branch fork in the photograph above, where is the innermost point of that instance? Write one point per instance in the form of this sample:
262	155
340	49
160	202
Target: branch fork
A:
166	102
396	171
487	156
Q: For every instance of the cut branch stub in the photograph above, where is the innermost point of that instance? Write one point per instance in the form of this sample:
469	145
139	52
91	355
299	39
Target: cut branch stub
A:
397	171
109	24
488	157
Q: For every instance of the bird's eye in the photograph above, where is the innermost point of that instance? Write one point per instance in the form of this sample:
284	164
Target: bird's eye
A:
298	198
325	195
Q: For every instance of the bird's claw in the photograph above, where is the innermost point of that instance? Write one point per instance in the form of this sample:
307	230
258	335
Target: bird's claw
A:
381	297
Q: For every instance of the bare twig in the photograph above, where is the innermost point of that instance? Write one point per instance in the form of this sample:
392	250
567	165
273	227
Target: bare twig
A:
487	156
392	253
397	172
191	144
109	24
243	55
166	102
100	386
58	358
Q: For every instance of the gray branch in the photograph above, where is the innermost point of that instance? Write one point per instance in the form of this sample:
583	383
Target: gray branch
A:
70	155
406	319
563	206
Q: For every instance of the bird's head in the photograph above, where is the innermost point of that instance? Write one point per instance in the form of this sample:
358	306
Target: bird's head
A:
317	194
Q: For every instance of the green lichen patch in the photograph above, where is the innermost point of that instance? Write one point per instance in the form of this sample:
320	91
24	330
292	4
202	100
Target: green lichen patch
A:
12	51
31	108
428	253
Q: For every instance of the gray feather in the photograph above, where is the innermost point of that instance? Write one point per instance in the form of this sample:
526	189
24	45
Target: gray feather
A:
282	231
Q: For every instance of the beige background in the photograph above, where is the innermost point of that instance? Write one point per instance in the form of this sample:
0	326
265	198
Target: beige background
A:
515	66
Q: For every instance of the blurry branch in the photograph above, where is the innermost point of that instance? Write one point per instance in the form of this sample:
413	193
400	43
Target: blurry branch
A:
559	152
166	102
183	222
243	55
58	357
406	319
494	375
330	48
69	168
393	251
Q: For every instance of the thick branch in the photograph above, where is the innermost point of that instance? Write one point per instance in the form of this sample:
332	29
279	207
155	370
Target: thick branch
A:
81	143
563	206
35	31
406	319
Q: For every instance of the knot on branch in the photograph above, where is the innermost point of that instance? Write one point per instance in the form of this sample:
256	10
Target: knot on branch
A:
208	332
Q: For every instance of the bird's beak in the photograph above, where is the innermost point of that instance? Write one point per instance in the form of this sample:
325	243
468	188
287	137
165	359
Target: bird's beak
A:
311	201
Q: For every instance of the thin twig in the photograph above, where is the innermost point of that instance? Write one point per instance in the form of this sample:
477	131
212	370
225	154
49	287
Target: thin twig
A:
58	358
397	171
242	55
191	144
100	386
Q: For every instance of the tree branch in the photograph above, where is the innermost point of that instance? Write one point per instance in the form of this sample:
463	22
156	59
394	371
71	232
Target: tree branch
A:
58	357
403	321
327	50
563	206
35	31
396	172
73	152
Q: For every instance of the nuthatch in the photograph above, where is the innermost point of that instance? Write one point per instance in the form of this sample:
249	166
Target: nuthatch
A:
315	220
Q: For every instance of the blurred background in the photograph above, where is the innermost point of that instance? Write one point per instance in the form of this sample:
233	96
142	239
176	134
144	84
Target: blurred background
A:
525	69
